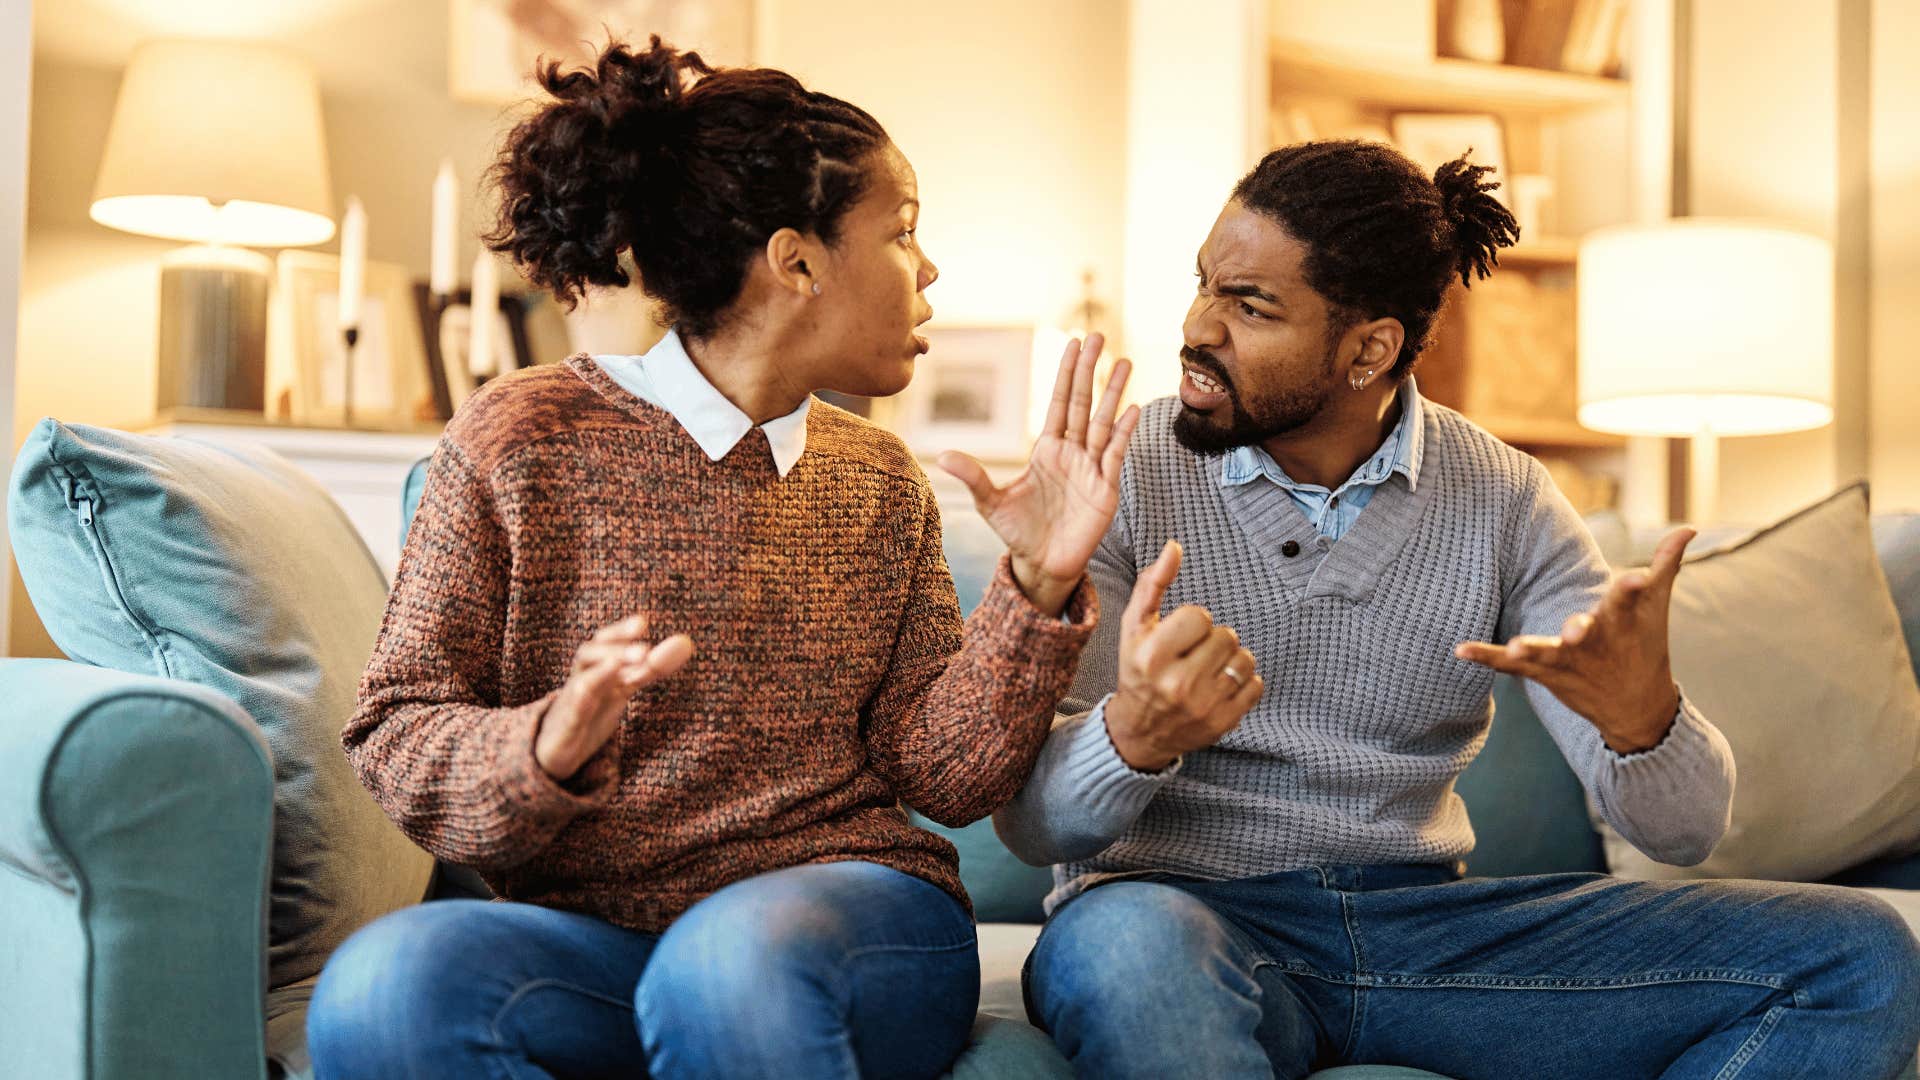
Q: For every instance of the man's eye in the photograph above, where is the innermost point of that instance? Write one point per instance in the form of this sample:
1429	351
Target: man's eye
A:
1251	313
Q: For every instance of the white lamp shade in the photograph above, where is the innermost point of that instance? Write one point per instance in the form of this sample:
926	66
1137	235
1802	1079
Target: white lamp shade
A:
1696	326
216	141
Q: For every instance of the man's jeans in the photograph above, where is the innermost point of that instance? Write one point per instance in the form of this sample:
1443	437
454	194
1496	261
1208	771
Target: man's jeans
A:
839	969
1563	975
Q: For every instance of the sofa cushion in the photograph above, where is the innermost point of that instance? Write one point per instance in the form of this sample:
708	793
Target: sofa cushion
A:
1790	643
235	571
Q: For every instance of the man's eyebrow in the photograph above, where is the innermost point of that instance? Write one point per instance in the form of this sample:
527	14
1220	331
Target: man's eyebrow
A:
1254	291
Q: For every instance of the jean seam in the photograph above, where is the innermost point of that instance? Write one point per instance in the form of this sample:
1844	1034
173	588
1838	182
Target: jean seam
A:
1555	982
1745	1053
520	993
1359	1011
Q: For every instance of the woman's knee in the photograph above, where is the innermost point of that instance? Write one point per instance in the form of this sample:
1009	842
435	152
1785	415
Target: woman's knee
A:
381	983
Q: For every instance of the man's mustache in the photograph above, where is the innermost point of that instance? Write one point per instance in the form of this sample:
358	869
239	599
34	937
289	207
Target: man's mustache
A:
1206	362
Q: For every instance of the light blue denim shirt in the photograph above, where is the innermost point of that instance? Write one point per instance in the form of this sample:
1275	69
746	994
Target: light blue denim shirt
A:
1333	512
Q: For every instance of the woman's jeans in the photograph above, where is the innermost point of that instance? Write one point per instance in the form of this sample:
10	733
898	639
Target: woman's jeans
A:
836	969
1564	975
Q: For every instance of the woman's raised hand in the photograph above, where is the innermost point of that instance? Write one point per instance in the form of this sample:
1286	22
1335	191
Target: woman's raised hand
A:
608	669
1053	515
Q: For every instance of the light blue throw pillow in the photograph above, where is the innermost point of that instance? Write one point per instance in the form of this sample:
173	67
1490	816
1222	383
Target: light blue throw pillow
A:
235	571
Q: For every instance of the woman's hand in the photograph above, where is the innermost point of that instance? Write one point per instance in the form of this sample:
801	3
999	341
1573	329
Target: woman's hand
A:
607	670
1053	515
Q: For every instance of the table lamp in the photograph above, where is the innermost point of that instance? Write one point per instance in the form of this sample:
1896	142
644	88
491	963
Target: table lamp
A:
218	143
1699	328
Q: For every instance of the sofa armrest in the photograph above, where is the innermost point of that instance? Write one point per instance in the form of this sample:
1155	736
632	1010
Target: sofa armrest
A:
136	834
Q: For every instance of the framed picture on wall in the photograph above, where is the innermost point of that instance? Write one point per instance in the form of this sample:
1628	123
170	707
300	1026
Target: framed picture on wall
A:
969	393
307	379
494	45
1433	139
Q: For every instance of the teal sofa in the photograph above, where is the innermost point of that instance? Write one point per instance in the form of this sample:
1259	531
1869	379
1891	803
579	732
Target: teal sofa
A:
138	871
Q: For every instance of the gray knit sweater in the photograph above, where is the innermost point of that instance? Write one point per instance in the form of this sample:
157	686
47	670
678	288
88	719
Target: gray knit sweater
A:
1351	755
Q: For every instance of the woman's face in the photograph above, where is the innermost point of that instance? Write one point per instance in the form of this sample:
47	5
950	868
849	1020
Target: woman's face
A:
872	283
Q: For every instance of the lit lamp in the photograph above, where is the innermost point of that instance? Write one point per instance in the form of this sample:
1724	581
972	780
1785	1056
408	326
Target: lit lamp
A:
218	144
1699	329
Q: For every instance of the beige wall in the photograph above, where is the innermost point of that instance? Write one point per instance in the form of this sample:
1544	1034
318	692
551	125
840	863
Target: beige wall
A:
16	68
1013	115
1894	202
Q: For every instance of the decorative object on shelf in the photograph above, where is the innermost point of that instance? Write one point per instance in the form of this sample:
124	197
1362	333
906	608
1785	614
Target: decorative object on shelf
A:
1699	328
1472	30
446	330
1537	31
308	353
1503	350
219	144
1433	139
1527	196
483	361
437	292
353	270
1592	46
494	44
969	392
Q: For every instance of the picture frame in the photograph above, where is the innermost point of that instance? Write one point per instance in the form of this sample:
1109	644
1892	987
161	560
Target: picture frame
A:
495	45
306	350
445	328
1433	139
970	393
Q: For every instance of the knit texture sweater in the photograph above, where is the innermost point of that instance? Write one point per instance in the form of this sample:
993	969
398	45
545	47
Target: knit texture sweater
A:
832	677
1351	754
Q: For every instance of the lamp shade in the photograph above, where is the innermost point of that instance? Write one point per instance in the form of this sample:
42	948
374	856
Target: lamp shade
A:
218	142
1704	327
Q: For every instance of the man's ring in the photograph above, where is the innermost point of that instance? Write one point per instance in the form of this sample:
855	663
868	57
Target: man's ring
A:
1233	673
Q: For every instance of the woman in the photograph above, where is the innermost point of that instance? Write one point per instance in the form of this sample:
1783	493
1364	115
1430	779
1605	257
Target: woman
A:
671	642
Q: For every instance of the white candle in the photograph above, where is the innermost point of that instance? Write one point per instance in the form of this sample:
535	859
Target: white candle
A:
353	263
484	311
446	225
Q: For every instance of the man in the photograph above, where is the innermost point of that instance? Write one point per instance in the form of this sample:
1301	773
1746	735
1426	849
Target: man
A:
1257	839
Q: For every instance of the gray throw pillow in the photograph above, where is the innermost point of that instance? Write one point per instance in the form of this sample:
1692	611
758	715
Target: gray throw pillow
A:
235	571
1789	642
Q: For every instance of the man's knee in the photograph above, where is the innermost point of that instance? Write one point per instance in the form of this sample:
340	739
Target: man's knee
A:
1878	952
1130	937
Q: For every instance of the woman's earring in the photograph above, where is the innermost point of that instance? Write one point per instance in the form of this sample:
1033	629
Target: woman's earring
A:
816	288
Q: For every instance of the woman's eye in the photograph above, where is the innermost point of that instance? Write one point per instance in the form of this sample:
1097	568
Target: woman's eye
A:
908	234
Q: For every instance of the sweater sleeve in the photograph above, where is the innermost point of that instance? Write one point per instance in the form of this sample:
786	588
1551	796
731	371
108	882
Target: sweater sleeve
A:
1673	802
962	710
450	762
1082	795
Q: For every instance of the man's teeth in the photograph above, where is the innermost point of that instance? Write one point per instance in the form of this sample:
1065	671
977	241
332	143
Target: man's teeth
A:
1204	383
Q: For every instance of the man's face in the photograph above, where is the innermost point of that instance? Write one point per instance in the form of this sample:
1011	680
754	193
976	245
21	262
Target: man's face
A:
1260	357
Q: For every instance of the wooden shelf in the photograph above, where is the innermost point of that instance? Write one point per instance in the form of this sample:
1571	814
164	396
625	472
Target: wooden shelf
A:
1524	433
1547	251
1440	83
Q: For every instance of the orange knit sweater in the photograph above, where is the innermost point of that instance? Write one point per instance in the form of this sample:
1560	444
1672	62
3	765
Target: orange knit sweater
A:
831	680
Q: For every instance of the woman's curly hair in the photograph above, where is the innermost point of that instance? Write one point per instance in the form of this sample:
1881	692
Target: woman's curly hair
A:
687	167
1382	239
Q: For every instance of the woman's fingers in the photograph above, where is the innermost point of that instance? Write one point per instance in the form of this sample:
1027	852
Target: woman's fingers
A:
1062	387
1103	417
1081	401
964	468
661	661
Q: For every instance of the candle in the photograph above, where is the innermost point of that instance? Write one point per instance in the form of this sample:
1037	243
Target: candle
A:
353	263
446	223
484	311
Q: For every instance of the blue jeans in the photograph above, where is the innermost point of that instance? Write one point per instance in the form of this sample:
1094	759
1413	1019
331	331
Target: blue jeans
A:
1563	975
838	969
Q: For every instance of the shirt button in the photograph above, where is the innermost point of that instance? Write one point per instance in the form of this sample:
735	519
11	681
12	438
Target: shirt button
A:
1290	548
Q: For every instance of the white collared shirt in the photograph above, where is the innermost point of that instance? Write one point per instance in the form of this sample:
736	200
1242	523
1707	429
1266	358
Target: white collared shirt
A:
666	376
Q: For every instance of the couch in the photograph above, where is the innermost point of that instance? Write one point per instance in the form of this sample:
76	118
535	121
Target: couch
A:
138	868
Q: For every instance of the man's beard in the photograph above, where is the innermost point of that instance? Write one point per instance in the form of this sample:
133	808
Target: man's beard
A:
1267	419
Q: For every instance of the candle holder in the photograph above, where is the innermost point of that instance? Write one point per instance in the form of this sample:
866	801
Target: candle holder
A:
352	335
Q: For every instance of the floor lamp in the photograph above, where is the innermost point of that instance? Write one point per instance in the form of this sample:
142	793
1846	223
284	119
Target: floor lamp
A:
1700	329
